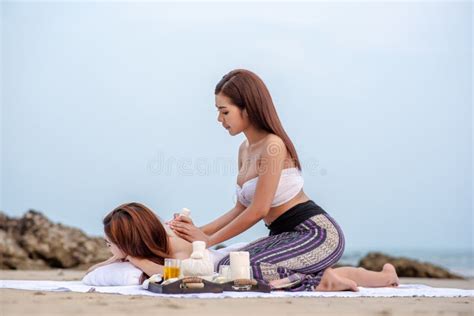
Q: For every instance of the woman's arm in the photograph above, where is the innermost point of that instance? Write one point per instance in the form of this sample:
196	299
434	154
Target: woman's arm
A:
147	266
222	221
225	219
241	223
112	259
269	171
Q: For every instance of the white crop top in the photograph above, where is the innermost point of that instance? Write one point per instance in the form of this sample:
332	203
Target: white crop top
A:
291	183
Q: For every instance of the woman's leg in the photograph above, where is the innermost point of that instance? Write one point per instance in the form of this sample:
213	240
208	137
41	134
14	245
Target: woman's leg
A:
331	281
386	277
300	260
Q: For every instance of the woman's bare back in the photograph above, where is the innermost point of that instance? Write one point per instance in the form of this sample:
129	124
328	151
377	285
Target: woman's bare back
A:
179	248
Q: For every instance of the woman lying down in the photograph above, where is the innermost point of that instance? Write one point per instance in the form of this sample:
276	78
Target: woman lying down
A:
139	243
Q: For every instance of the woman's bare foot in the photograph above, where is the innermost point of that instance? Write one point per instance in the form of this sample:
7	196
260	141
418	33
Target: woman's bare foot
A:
392	277
332	282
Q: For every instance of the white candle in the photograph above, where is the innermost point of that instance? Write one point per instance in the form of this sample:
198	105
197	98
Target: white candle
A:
239	265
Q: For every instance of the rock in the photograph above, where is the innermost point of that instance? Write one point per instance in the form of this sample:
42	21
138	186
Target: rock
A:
34	242
15	257
406	267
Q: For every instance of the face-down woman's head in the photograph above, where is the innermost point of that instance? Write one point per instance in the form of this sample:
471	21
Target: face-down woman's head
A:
134	230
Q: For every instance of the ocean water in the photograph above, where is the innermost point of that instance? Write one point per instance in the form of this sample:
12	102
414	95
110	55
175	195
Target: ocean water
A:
457	261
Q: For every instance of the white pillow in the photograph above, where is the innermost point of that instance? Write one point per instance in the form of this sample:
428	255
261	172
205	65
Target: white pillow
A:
117	273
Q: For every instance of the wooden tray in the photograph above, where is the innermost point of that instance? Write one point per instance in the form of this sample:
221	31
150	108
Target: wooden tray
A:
261	286
179	287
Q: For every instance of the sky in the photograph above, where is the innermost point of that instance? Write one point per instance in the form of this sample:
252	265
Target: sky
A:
105	103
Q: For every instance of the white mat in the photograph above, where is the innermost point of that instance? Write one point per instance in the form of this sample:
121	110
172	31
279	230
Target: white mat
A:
404	290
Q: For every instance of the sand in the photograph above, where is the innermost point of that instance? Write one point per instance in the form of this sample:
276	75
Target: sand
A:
18	302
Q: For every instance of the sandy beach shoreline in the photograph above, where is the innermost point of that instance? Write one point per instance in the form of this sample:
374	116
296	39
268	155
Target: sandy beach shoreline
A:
18	302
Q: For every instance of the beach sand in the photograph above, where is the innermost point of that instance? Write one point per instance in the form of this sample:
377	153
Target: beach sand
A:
18	302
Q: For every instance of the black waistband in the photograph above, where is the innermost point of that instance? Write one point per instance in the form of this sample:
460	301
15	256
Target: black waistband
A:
294	216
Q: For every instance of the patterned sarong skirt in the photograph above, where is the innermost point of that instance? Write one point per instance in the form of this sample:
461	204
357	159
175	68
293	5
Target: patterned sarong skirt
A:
303	242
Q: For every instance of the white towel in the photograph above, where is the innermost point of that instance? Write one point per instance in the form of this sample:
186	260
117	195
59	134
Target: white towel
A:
217	255
403	290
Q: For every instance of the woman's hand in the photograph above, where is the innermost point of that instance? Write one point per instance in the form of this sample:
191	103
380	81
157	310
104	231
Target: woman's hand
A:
180	218
183	227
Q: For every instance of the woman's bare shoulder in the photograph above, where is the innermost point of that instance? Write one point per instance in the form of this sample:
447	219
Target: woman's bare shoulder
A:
273	144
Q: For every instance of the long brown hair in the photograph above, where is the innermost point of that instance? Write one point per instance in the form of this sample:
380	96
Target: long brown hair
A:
138	232
249	92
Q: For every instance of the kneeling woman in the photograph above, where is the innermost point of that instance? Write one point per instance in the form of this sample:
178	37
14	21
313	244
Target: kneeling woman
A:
134	233
305	241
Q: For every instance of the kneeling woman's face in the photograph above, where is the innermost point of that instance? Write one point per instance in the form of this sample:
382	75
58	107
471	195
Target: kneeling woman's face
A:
232	118
114	249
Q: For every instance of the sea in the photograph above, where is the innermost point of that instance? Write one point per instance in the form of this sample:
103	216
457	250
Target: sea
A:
460	262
